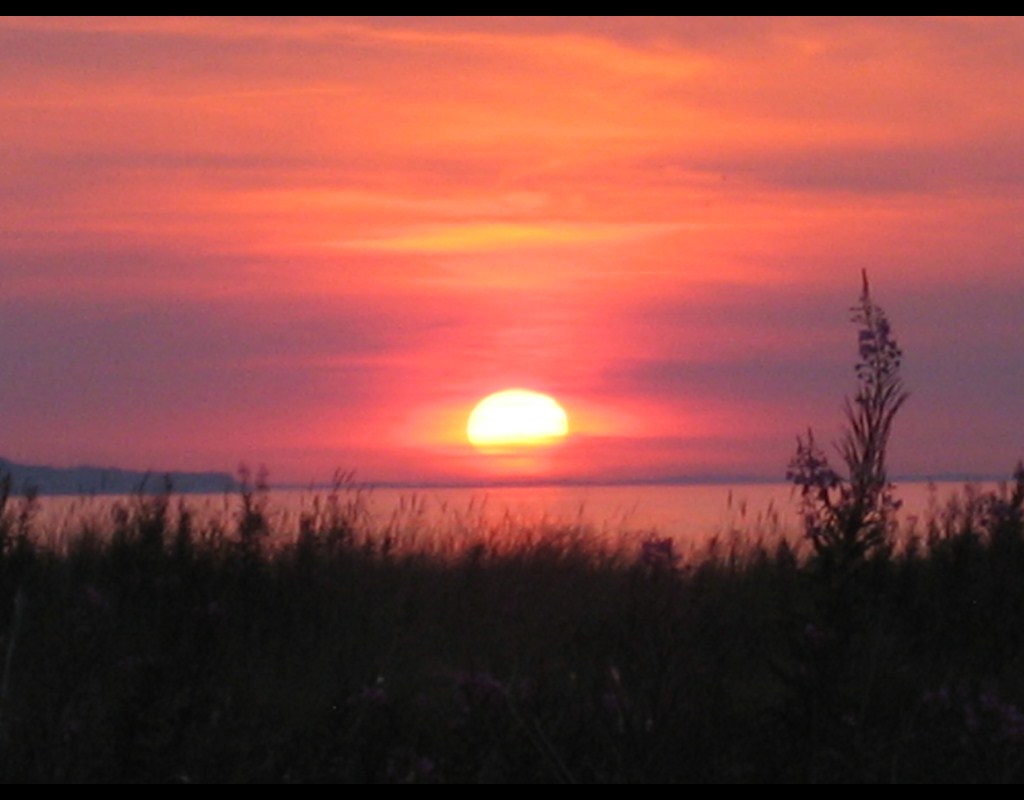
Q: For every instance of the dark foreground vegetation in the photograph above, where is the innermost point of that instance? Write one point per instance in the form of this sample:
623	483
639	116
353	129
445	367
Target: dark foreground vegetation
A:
161	647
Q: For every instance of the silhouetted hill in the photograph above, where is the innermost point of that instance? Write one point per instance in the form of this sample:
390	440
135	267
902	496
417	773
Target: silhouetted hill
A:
110	480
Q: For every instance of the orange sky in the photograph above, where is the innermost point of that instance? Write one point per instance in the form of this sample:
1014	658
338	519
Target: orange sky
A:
315	244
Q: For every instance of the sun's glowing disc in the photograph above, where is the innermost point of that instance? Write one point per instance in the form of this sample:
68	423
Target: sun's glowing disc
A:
515	418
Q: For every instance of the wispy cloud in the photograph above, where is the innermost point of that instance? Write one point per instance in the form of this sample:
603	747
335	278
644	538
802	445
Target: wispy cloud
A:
661	219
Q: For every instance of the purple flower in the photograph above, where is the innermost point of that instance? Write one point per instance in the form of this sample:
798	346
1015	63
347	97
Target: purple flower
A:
370	696
659	554
96	598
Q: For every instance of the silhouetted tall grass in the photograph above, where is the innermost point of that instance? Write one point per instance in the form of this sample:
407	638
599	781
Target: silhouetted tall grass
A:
169	648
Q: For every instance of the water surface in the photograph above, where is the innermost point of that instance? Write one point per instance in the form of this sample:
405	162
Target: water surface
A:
689	513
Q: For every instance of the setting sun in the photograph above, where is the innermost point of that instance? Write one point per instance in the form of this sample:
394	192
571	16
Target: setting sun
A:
516	417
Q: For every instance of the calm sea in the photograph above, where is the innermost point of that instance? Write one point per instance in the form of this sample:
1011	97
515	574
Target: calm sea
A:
688	513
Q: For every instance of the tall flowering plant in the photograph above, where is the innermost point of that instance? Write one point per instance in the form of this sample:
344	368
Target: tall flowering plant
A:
846	516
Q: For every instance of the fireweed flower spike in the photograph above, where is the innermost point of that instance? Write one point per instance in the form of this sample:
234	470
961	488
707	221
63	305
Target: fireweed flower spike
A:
846	517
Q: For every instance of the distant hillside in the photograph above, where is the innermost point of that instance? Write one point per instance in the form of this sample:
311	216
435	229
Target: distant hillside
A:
109	480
